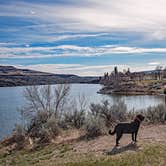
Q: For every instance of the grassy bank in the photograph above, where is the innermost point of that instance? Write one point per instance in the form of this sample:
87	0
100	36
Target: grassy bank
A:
153	155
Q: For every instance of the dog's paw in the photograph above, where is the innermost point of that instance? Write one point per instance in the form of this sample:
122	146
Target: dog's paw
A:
133	142
117	145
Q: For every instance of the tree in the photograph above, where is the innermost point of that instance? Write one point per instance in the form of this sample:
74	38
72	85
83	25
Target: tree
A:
159	67
159	72
50	100
43	111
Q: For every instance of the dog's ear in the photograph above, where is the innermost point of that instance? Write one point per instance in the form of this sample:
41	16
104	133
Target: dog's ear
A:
141	117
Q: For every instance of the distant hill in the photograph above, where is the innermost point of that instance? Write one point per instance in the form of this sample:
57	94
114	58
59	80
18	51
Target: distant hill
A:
12	76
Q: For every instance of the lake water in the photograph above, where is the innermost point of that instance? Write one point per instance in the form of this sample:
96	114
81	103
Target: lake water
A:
11	98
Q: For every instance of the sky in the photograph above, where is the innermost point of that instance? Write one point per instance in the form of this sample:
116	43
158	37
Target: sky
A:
85	37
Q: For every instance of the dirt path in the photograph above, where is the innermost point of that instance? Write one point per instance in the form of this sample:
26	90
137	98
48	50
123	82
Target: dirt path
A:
105	144
69	148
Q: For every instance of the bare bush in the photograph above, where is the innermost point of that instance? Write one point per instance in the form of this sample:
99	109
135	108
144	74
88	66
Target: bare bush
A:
44	98
43	128
94	127
75	116
52	126
155	114
109	113
36	124
102	116
19	133
44	110
48	131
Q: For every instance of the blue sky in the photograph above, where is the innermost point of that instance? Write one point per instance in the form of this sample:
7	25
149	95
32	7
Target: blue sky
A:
85	37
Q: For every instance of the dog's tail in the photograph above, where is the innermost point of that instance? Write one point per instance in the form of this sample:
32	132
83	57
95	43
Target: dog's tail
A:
112	133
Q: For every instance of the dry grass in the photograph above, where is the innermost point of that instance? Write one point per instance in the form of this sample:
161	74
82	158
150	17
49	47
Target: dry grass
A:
71	151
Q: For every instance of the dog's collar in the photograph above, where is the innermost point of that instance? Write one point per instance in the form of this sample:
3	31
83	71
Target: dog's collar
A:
136	118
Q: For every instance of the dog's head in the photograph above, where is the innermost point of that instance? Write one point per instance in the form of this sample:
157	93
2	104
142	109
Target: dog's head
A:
139	117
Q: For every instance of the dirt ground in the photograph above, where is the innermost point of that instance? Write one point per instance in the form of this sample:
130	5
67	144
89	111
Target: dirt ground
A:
106	144
69	147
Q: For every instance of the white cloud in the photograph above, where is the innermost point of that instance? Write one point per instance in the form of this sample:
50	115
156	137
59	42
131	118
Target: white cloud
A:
73	36
7	44
154	63
85	70
83	19
72	50
147	16
59	36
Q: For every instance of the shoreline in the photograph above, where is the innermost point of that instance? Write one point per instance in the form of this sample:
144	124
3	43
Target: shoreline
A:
12	86
130	93
134	89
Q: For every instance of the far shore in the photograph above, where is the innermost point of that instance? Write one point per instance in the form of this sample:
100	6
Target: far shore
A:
128	93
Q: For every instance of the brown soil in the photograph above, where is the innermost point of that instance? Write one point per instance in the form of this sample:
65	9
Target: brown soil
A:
70	147
106	144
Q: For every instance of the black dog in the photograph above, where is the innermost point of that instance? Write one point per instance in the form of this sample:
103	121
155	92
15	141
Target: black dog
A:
128	128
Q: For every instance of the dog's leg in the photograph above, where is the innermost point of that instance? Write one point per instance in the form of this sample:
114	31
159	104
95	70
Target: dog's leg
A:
118	137
133	137
117	142
136	136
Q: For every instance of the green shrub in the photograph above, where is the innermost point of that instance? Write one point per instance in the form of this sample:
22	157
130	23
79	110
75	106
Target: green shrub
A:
156	114
43	127
75	118
52	126
94	127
